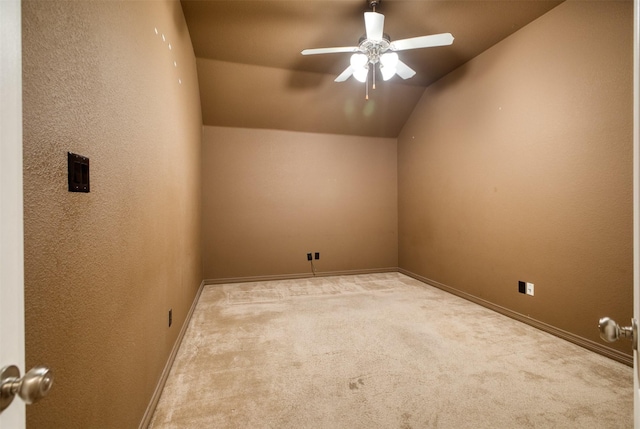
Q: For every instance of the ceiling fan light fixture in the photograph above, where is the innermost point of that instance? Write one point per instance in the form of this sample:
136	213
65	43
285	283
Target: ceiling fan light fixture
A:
359	64
387	72
359	61
388	63
389	59
361	74
372	49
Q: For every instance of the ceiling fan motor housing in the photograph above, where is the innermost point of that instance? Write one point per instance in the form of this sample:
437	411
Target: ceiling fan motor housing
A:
374	48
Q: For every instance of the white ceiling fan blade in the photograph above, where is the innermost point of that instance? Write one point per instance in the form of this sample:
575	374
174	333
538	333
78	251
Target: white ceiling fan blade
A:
404	71
344	75
422	42
317	51
374	25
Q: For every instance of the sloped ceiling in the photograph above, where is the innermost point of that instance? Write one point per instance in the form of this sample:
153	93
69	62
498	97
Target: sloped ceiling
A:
252	75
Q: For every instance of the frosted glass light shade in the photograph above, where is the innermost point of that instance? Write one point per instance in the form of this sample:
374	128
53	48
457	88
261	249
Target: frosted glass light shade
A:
387	72
361	74
389	59
388	63
359	61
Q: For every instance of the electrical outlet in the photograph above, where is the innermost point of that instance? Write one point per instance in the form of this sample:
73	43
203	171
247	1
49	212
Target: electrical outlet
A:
308	256
530	289
317	255
170	317
522	287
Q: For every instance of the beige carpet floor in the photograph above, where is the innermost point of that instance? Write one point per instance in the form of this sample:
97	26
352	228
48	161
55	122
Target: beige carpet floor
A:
379	351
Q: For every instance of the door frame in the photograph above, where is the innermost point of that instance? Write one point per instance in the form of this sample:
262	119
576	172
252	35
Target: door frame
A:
12	349
636	203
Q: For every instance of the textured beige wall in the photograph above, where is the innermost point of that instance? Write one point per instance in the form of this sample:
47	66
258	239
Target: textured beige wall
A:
103	269
518	166
269	197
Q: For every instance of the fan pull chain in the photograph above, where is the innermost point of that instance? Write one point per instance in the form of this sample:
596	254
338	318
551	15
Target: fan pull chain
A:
374	76
366	88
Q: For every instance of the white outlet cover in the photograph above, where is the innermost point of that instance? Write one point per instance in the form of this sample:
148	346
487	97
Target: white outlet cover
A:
530	289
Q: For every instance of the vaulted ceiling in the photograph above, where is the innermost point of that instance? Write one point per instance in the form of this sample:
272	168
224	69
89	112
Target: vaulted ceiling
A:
252	75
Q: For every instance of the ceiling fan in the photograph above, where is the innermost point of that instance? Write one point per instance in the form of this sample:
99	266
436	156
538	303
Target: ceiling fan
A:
376	49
